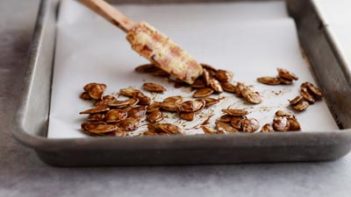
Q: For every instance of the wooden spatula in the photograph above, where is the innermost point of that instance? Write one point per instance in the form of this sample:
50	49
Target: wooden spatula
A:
151	44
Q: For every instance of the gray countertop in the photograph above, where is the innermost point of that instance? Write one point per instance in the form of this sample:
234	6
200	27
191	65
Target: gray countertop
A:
23	174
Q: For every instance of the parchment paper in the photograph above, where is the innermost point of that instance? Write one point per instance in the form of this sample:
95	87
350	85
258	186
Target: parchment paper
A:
250	39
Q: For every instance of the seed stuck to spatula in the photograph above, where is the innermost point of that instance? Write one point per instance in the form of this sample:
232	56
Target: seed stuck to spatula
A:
150	43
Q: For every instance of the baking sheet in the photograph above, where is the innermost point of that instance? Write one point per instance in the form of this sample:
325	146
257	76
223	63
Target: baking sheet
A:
251	39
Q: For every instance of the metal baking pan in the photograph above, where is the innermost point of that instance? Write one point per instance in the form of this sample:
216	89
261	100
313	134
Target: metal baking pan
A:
329	69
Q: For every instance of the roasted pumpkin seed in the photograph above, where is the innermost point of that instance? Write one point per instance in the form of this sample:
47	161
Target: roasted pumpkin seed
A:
302	106
283	113
171	104
267	128
202	93
85	96
236	122
225	127
223	75
269	80
228	87
116	115
285	74
235	112
210	131
155	116
225	118
98	128
188	116
129	124
96	117
191	106
215	85
249	125
281	123
123	104
198	83
128	92
146	68
154	87
314	90
306	95
294	125
251	96
211	101
95	90
137	112
206	76
95	110
296	100
165	128
155	106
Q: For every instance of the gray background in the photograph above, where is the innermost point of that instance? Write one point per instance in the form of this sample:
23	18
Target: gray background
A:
23	174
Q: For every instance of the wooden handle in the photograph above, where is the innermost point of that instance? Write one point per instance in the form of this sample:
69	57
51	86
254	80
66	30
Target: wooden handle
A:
110	13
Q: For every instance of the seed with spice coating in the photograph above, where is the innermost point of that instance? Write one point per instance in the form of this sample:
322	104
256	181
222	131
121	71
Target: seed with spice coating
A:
202	93
154	87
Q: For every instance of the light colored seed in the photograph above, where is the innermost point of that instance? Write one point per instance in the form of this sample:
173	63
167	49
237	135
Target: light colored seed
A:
281	123
116	115
210	131
225	127
206	77
267	128
154	87
235	112
98	128
269	80
97	109
155	116
129	124
296	100
302	106
146	68
215	85
223	75
285	74
250	125
251	96
202	93
188	116
228	87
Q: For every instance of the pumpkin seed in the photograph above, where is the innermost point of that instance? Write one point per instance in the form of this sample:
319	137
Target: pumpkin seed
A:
314	90
269	80
228	87
105	100
202	93
191	106
146	68
239	89
95	90
267	128
306	95
211	101
296	100
251	96
128	92
171	104
281	123
302	106
225	118
294	125
285	74
85	96
129	124
154	87
236	122
249	125
137	112
165	128
210	131
225	127
188	116
215	85
123	104
235	112
282	113
223	75
198	83
206	76
98	128
285	81
96	117
155	116
115	115
97	109
155	106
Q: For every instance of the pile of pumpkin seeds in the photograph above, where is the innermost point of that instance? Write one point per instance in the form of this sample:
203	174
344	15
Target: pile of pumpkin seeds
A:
113	116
